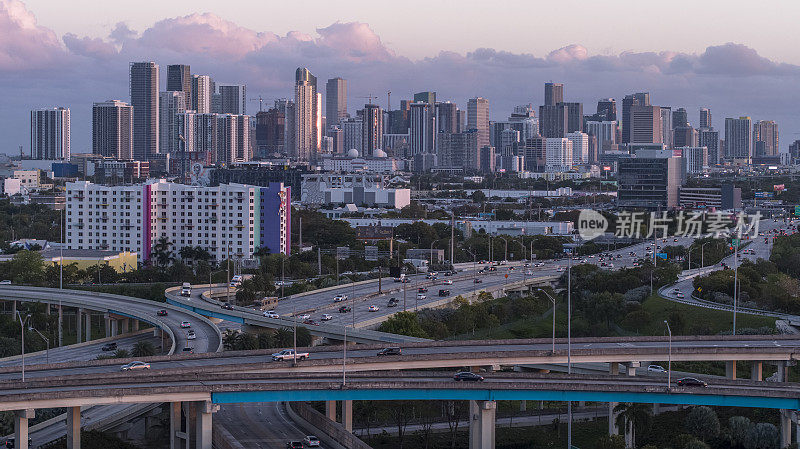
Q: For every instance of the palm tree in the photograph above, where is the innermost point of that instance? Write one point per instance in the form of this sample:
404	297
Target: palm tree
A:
143	349
633	417
161	252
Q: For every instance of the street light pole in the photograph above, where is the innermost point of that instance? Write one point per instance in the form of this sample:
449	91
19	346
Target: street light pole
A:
702	258
735	282
553	300
569	344
669	360
46	340
22	337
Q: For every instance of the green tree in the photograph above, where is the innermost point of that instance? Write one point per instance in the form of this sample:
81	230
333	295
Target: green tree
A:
121	354
762	436
284	337
634	418
738	427
404	323
27	268
610	442
143	349
162	252
696	444
702	422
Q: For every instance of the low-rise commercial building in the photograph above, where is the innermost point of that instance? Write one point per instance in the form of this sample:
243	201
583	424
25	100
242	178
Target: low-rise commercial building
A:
358	189
725	197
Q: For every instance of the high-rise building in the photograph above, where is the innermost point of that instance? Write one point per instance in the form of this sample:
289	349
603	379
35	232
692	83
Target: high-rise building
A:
794	151
696	159
270	129
233	136
336	134
335	100
558	154
524	120
705	118
50	134
645	124
144	99
637	99
580	147
710	139
289	144
606	134
447	117
179	79
574	117
535	153
685	136
680	118
170	105
650	182
667	135
488	159
371	129
422	139
201	93
765	138
607	109
112	129
352	133
459	150
425	97
553	94
233	99
739	140
308	119
478	119
553	120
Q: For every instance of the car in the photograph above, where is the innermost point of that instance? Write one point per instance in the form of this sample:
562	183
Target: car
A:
444	292
393	302
227	306
561	269
311	441
422	290
345	309
295	445
675	240
162	312
373	308
476	281
191	335
10	443
528	272
133	366
679	295
188	350
5	282
236	281
447	282
467	376
288	354
691	382
510	268
303	316
185	324
656	369
676	290
109	347
394	350
326	317
271	314
186	289
527	264
311	322
420	296
340	298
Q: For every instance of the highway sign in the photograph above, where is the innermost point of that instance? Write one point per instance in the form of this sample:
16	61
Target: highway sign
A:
662	255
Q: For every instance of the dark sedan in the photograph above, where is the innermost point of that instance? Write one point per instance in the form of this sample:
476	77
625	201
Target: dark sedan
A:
467	376
691	382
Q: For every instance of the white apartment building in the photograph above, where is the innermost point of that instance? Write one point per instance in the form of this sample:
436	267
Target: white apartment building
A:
558	154
696	159
358	189
219	219
580	147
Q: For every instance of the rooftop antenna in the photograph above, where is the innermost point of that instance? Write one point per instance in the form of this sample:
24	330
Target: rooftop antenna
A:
389	100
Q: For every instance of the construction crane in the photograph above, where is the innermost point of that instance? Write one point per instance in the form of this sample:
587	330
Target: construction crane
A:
369	98
389	100
260	102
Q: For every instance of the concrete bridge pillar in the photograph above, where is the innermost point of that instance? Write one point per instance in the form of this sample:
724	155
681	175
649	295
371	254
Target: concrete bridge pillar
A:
78	327
755	371
124	325
730	369
21	418
135	325
347	415
613	368
523	406
482	424
330	410
74	428
176	433
612	419
204	409
47	309
14	310
114	328
782	371
88	326
630	368
107	321
786	428
796	421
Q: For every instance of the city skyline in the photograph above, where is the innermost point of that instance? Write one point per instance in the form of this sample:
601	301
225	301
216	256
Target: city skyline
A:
91	69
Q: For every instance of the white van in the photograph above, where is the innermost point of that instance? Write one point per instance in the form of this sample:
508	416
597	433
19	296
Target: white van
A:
236	281
186	289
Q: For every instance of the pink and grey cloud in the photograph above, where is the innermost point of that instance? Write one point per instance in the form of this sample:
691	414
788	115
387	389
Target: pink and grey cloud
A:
42	69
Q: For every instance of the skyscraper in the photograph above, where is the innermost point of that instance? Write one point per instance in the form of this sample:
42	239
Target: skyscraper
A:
645	124
447	117
50	134
667	135
765	138
553	120
170	104
422	140
201	93
335	100
574	117
739	140
307	115
607	108
425	97
705	118
270	127
112	129
710	139
144	99
459	150
553	94
640	98
580	147
558	154
606	134
179	79
478	119
233	99
680	118
372	129
352	134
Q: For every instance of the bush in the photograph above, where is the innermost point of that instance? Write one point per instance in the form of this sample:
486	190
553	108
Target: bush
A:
703	423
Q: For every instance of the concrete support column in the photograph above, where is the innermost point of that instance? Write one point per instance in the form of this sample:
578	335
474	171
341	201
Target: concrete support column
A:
78	327
612	419
782	371
14	310
60	326
630	368
21	418
114	328
613	368
730	369
203	423
74	428
135	325
88	326
523	406
47	309
330	410
124	325
786	428
482	424
347	415
107	321
175	432
656	409
797	428
755	371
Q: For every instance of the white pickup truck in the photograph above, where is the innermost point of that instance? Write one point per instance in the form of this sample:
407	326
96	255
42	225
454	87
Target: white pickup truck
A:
288	354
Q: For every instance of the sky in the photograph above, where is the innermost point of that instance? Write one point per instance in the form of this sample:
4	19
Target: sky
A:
726	55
